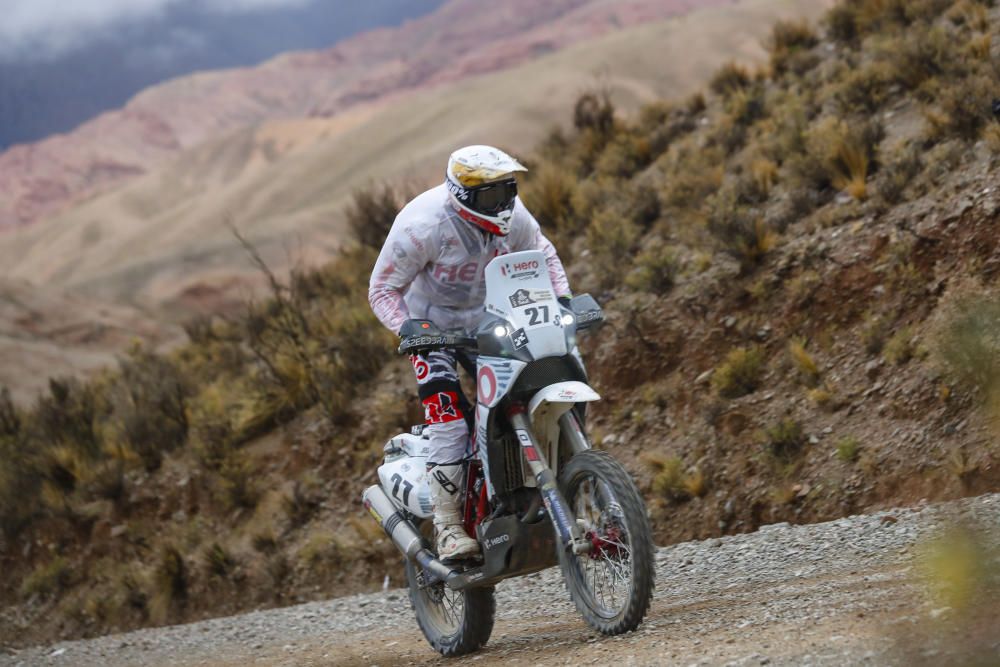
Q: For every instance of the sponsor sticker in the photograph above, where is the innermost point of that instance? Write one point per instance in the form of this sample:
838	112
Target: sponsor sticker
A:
521	297
526	297
519	338
530	453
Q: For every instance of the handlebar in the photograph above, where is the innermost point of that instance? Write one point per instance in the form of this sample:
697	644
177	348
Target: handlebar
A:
417	343
421	335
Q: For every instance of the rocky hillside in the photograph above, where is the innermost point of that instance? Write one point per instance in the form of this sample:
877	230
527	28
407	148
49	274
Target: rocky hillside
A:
799	267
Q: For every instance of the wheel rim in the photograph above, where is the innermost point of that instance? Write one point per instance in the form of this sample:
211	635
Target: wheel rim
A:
445	608
606	571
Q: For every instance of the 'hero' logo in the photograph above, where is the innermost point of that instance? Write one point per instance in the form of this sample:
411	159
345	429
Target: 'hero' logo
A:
491	542
517	267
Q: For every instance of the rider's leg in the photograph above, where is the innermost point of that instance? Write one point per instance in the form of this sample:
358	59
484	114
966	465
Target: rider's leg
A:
445	411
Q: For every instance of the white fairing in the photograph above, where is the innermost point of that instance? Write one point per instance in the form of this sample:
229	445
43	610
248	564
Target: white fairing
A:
519	289
404	479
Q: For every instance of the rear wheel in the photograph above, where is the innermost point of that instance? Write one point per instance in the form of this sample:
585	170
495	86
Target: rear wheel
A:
612	585
454	622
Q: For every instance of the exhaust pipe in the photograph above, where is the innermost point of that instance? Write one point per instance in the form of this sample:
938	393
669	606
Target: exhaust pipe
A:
402	532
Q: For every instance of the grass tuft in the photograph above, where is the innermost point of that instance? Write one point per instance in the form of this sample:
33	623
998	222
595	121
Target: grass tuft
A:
784	439
740	373
848	448
804	363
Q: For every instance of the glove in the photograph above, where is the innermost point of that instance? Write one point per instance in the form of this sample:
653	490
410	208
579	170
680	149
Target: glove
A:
418	328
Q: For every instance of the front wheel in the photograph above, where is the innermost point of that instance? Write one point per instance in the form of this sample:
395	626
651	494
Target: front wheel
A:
612	585
454	622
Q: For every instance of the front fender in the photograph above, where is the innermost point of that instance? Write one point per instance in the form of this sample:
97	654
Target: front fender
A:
569	392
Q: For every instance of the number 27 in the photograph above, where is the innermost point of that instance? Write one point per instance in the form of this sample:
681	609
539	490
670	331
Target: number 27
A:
536	317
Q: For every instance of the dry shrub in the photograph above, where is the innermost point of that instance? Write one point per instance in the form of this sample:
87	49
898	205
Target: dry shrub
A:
899	348
610	239
784	439
547	191
150	403
19	478
745	106
594	111
740	373
863	89
840	153
729	78
48	578
790	44
974	15
803	361
622	156
670	479
874	332
763	176
739	231
962	109
966	341
898	174
218	560
656	268
372	211
170	583
301	503
847	449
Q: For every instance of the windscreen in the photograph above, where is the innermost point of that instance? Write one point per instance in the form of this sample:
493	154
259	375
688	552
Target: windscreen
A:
518	289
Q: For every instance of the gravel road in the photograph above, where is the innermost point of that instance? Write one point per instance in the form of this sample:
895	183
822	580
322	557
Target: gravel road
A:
843	592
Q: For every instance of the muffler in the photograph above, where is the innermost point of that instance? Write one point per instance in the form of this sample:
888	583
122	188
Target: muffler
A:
402	533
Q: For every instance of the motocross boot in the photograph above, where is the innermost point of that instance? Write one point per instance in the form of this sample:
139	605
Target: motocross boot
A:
453	543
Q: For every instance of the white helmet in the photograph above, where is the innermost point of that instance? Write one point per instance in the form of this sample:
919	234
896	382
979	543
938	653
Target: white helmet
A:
482	186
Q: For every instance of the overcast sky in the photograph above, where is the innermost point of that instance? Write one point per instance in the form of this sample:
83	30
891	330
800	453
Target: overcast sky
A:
43	29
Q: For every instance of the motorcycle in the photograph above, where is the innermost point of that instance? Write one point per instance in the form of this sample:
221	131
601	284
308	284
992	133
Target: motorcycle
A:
536	493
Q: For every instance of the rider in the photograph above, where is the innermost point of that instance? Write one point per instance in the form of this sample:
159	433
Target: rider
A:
432	268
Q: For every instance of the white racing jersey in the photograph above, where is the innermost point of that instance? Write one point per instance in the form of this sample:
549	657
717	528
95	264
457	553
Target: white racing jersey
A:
432	263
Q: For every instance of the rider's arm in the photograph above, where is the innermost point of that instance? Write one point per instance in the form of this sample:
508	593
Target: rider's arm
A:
528	236
403	255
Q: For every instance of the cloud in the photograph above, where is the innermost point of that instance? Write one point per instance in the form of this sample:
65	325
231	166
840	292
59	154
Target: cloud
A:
42	29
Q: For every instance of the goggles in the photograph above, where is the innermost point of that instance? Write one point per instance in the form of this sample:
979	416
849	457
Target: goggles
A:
492	198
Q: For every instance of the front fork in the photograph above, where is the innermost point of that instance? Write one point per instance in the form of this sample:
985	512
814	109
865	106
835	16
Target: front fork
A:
556	505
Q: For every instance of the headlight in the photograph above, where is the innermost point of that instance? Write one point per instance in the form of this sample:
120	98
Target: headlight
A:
500	331
567	319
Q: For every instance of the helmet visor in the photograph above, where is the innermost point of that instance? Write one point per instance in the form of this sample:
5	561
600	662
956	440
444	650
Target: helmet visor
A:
492	198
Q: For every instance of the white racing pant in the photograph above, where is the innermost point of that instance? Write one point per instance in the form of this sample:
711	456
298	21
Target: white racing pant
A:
447	413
